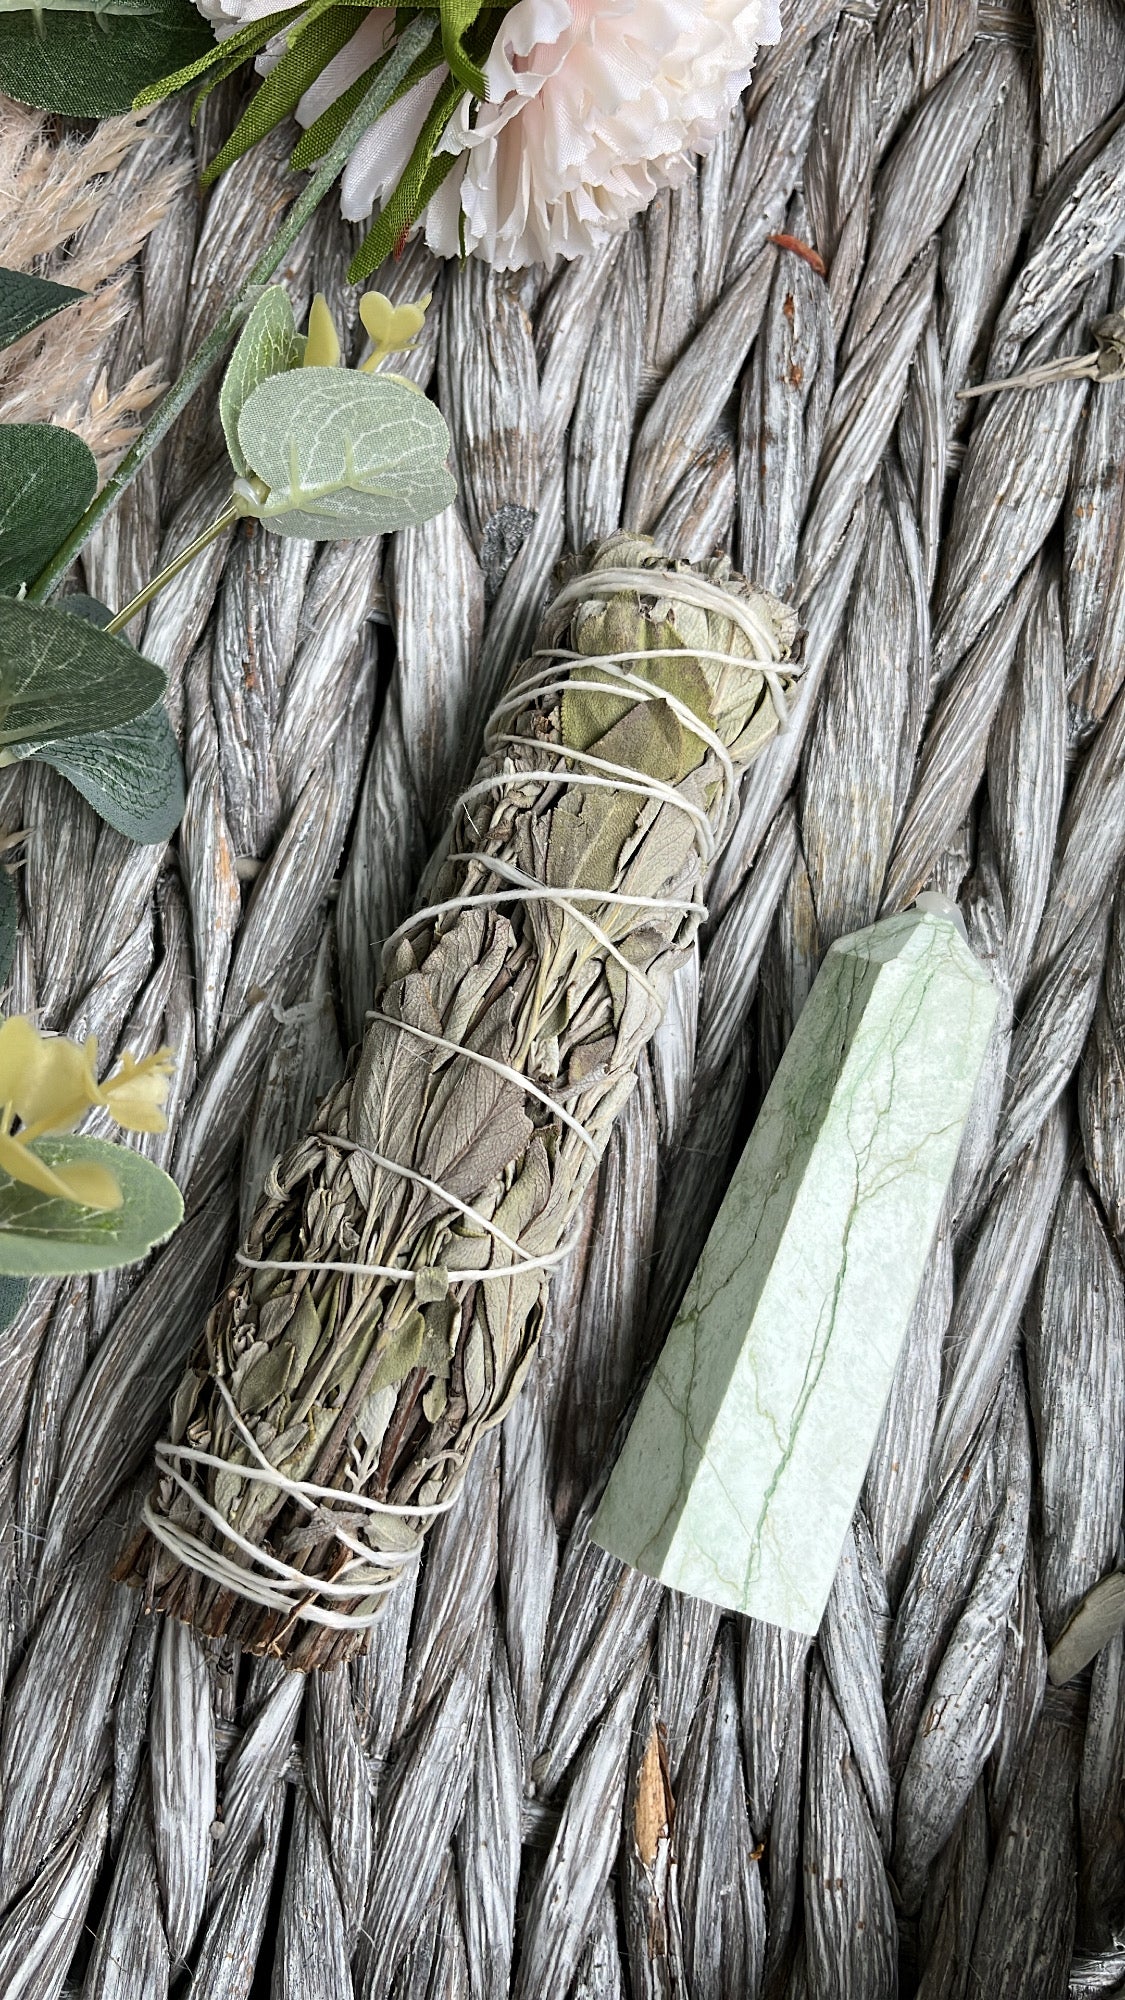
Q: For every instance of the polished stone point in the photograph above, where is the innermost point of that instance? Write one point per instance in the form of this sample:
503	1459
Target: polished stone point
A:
742	1468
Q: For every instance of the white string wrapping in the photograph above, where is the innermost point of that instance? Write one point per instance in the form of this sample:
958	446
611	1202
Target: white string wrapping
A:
373	1569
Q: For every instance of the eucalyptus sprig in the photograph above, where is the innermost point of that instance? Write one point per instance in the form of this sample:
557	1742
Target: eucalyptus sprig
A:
377	94
319	451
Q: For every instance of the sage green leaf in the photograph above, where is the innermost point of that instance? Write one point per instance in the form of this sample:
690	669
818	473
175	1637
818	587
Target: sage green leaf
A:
48	478
43	1237
9	917
61	677
88	63
399	1353
78	605
313	41
13	1292
26	301
344	454
269	344
132	775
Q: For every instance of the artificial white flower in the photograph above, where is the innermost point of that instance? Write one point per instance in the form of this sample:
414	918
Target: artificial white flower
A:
227	15
593	105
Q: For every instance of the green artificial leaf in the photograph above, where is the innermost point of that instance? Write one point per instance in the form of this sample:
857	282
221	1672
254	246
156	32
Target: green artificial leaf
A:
325	130
9	918
269	344
61	677
26	301
313	42
13	1292
89	62
344	454
100	9
423	174
457	16
48	477
227	55
78	605
44	1237
132	775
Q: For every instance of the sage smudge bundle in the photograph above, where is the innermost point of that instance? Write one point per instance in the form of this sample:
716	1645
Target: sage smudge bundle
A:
391	1291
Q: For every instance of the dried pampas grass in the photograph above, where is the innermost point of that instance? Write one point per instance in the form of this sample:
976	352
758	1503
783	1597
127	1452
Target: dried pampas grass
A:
79	209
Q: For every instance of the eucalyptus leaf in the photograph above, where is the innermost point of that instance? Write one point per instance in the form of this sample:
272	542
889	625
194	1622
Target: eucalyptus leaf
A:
269	344
132	775
344	454
48	478
13	1292
44	1237
78	605
87	63
9	918
60	677
26	301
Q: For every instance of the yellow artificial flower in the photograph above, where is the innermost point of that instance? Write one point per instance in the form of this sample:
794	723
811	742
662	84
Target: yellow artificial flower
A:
48	1082
393	329
84	1182
134	1095
322	345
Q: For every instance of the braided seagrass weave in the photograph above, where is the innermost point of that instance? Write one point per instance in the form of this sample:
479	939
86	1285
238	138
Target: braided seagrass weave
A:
546	1776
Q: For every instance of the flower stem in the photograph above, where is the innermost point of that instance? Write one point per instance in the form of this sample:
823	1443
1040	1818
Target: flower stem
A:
1069	369
413	39
194	548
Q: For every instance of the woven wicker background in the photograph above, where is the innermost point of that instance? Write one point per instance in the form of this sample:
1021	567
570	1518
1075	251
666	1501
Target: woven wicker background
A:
481	1805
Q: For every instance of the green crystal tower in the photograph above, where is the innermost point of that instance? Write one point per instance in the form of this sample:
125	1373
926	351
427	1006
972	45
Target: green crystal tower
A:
745	1460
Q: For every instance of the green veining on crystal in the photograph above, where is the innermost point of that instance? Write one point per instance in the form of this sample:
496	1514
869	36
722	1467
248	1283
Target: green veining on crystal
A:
744	1463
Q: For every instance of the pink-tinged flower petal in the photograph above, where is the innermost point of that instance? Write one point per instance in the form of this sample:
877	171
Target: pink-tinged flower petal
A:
599	119
534	41
593	106
380	159
356	56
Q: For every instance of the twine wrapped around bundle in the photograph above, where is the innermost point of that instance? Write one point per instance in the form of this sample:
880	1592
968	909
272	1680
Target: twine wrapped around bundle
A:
390	1294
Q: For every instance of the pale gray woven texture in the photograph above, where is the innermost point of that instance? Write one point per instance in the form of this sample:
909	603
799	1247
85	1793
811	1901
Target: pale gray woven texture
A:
901	1806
